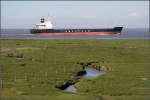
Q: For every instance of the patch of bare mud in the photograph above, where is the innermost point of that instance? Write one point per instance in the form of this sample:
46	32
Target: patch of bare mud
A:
27	48
3	49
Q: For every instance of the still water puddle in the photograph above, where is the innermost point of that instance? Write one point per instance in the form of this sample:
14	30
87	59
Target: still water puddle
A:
71	89
91	73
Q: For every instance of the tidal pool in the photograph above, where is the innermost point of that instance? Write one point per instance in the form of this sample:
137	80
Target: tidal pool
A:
88	72
71	89
92	73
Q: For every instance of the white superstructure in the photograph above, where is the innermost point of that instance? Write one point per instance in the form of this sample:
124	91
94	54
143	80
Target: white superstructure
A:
44	24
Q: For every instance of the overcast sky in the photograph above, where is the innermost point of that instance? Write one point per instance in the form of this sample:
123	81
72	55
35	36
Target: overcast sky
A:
75	14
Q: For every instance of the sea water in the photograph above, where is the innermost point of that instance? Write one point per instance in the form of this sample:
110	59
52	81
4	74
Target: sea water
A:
136	33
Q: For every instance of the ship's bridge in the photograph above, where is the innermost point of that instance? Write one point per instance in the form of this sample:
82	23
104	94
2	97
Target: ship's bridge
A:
44	24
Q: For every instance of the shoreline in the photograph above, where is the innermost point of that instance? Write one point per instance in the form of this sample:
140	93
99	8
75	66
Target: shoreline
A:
73	39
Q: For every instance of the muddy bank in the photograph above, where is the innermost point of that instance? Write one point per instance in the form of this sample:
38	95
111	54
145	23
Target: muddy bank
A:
72	81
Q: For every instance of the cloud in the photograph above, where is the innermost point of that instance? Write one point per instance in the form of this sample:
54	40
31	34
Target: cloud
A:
134	14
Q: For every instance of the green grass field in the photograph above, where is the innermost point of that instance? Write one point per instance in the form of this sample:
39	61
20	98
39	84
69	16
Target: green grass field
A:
30	69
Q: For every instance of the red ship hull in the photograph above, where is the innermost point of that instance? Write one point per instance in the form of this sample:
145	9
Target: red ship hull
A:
80	33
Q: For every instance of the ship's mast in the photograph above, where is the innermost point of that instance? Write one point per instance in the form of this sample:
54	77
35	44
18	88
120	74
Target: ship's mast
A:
116	21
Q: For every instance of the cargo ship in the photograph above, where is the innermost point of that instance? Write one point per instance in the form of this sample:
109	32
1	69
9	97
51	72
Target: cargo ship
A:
46	27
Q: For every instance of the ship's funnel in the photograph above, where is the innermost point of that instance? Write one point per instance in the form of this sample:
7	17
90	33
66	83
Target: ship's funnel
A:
42	20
